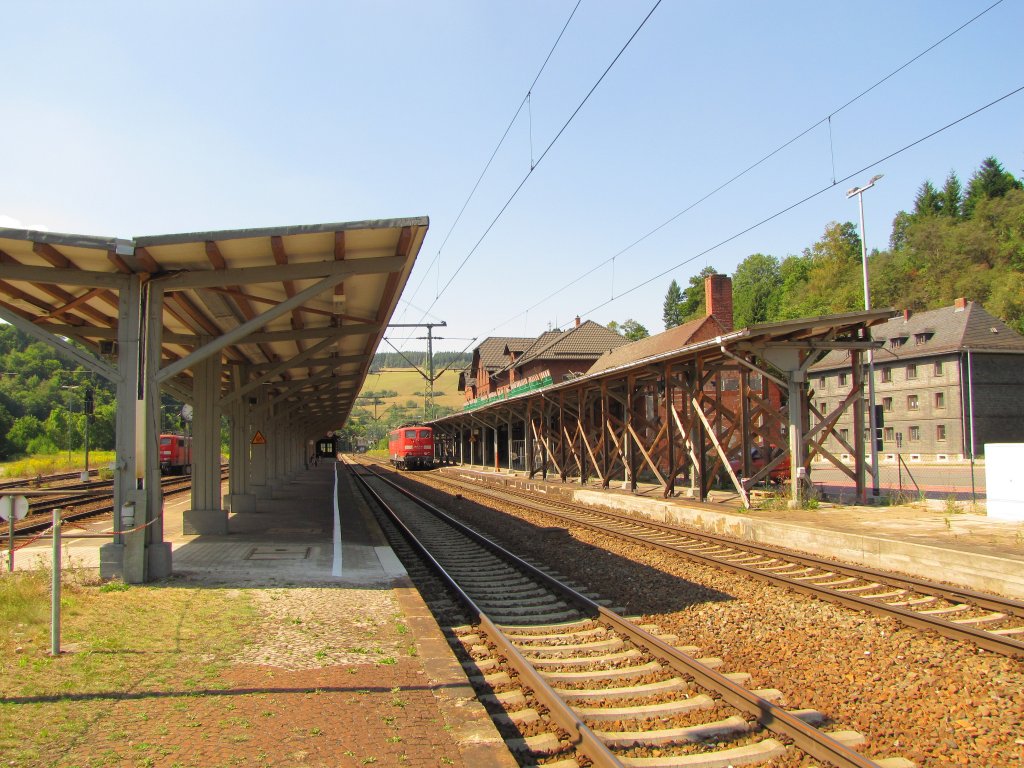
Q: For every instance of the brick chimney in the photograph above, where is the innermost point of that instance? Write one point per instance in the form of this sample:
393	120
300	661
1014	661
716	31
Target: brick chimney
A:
577	321
718	299
906	315
960	304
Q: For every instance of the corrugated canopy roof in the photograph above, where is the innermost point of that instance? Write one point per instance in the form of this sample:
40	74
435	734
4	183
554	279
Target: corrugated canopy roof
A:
317	352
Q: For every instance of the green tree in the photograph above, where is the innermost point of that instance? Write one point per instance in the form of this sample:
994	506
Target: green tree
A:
23	431
990	180
756	289
630	328
672	311
693	295
928	201
951	198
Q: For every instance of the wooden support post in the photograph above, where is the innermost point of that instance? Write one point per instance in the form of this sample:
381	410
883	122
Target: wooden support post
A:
667	396
630	467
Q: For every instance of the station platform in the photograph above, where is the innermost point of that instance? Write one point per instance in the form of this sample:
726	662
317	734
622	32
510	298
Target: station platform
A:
321	585
934	541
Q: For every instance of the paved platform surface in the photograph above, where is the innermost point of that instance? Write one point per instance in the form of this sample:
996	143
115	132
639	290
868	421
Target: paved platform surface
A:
351	669
940	542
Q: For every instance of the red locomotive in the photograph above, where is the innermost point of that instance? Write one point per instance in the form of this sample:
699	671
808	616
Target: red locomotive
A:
411	446
175	454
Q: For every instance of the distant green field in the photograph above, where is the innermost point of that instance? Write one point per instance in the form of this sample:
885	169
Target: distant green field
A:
407	382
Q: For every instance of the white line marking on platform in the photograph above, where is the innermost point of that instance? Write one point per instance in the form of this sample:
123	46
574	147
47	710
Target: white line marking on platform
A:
336	569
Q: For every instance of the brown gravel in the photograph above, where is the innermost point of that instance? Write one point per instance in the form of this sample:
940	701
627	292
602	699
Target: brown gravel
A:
935	701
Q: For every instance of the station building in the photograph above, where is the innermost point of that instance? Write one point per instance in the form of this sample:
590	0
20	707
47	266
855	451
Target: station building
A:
948	381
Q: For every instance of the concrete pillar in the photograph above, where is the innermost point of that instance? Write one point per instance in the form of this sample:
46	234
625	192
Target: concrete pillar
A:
125	483
147	556
240	499
257	435
206	515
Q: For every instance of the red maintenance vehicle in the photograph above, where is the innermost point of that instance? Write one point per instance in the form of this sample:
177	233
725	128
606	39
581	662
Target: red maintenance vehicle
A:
411	446
175	454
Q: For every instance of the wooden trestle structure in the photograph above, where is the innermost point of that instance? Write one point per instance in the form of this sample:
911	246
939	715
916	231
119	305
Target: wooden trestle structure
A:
687	417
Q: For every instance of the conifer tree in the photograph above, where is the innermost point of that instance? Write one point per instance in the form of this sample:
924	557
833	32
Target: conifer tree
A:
951	198
672	313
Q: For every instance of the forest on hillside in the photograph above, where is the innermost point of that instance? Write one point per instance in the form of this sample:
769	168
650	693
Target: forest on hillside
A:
957	240
455	360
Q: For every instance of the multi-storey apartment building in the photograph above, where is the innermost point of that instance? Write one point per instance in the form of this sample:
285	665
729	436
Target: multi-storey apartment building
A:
948	381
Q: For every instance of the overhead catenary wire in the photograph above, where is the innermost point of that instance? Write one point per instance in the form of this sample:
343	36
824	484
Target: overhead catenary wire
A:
543	154
824	120
525	101
806	199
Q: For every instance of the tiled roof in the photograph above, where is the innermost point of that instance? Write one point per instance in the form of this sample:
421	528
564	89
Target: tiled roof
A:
492	350
936	332
584	342
674	338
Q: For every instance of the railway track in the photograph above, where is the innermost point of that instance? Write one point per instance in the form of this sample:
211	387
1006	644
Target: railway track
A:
577	680
991	622
85	502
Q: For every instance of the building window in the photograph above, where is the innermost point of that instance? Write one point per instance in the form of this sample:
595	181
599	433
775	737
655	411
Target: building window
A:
842	379
886	403
915	433
823	407
897	341
886	375
938	368
921	338
940	400
911	371
845	434
940	431
890	434
911	402
821	382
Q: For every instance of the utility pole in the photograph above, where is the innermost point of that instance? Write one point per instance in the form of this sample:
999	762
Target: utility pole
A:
428	401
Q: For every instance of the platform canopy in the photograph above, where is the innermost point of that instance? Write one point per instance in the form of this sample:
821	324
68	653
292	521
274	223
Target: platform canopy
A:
297	310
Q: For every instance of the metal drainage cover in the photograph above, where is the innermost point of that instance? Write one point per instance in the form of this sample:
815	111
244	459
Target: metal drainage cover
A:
279	553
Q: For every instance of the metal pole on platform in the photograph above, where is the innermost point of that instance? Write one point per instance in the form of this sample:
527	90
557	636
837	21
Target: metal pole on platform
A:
859	192
55	590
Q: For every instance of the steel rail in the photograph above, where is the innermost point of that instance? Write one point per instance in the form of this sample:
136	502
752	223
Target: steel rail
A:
989	641
812	741
34	526
585	739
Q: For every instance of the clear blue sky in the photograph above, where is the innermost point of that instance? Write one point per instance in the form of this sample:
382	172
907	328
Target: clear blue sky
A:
126	119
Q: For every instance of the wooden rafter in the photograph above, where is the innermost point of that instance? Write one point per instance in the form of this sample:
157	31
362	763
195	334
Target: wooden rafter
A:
219	263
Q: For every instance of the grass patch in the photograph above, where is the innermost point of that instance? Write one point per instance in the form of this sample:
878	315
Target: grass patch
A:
52	463
142	640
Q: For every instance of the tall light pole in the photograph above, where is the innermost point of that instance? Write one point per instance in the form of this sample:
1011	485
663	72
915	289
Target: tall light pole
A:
859	192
